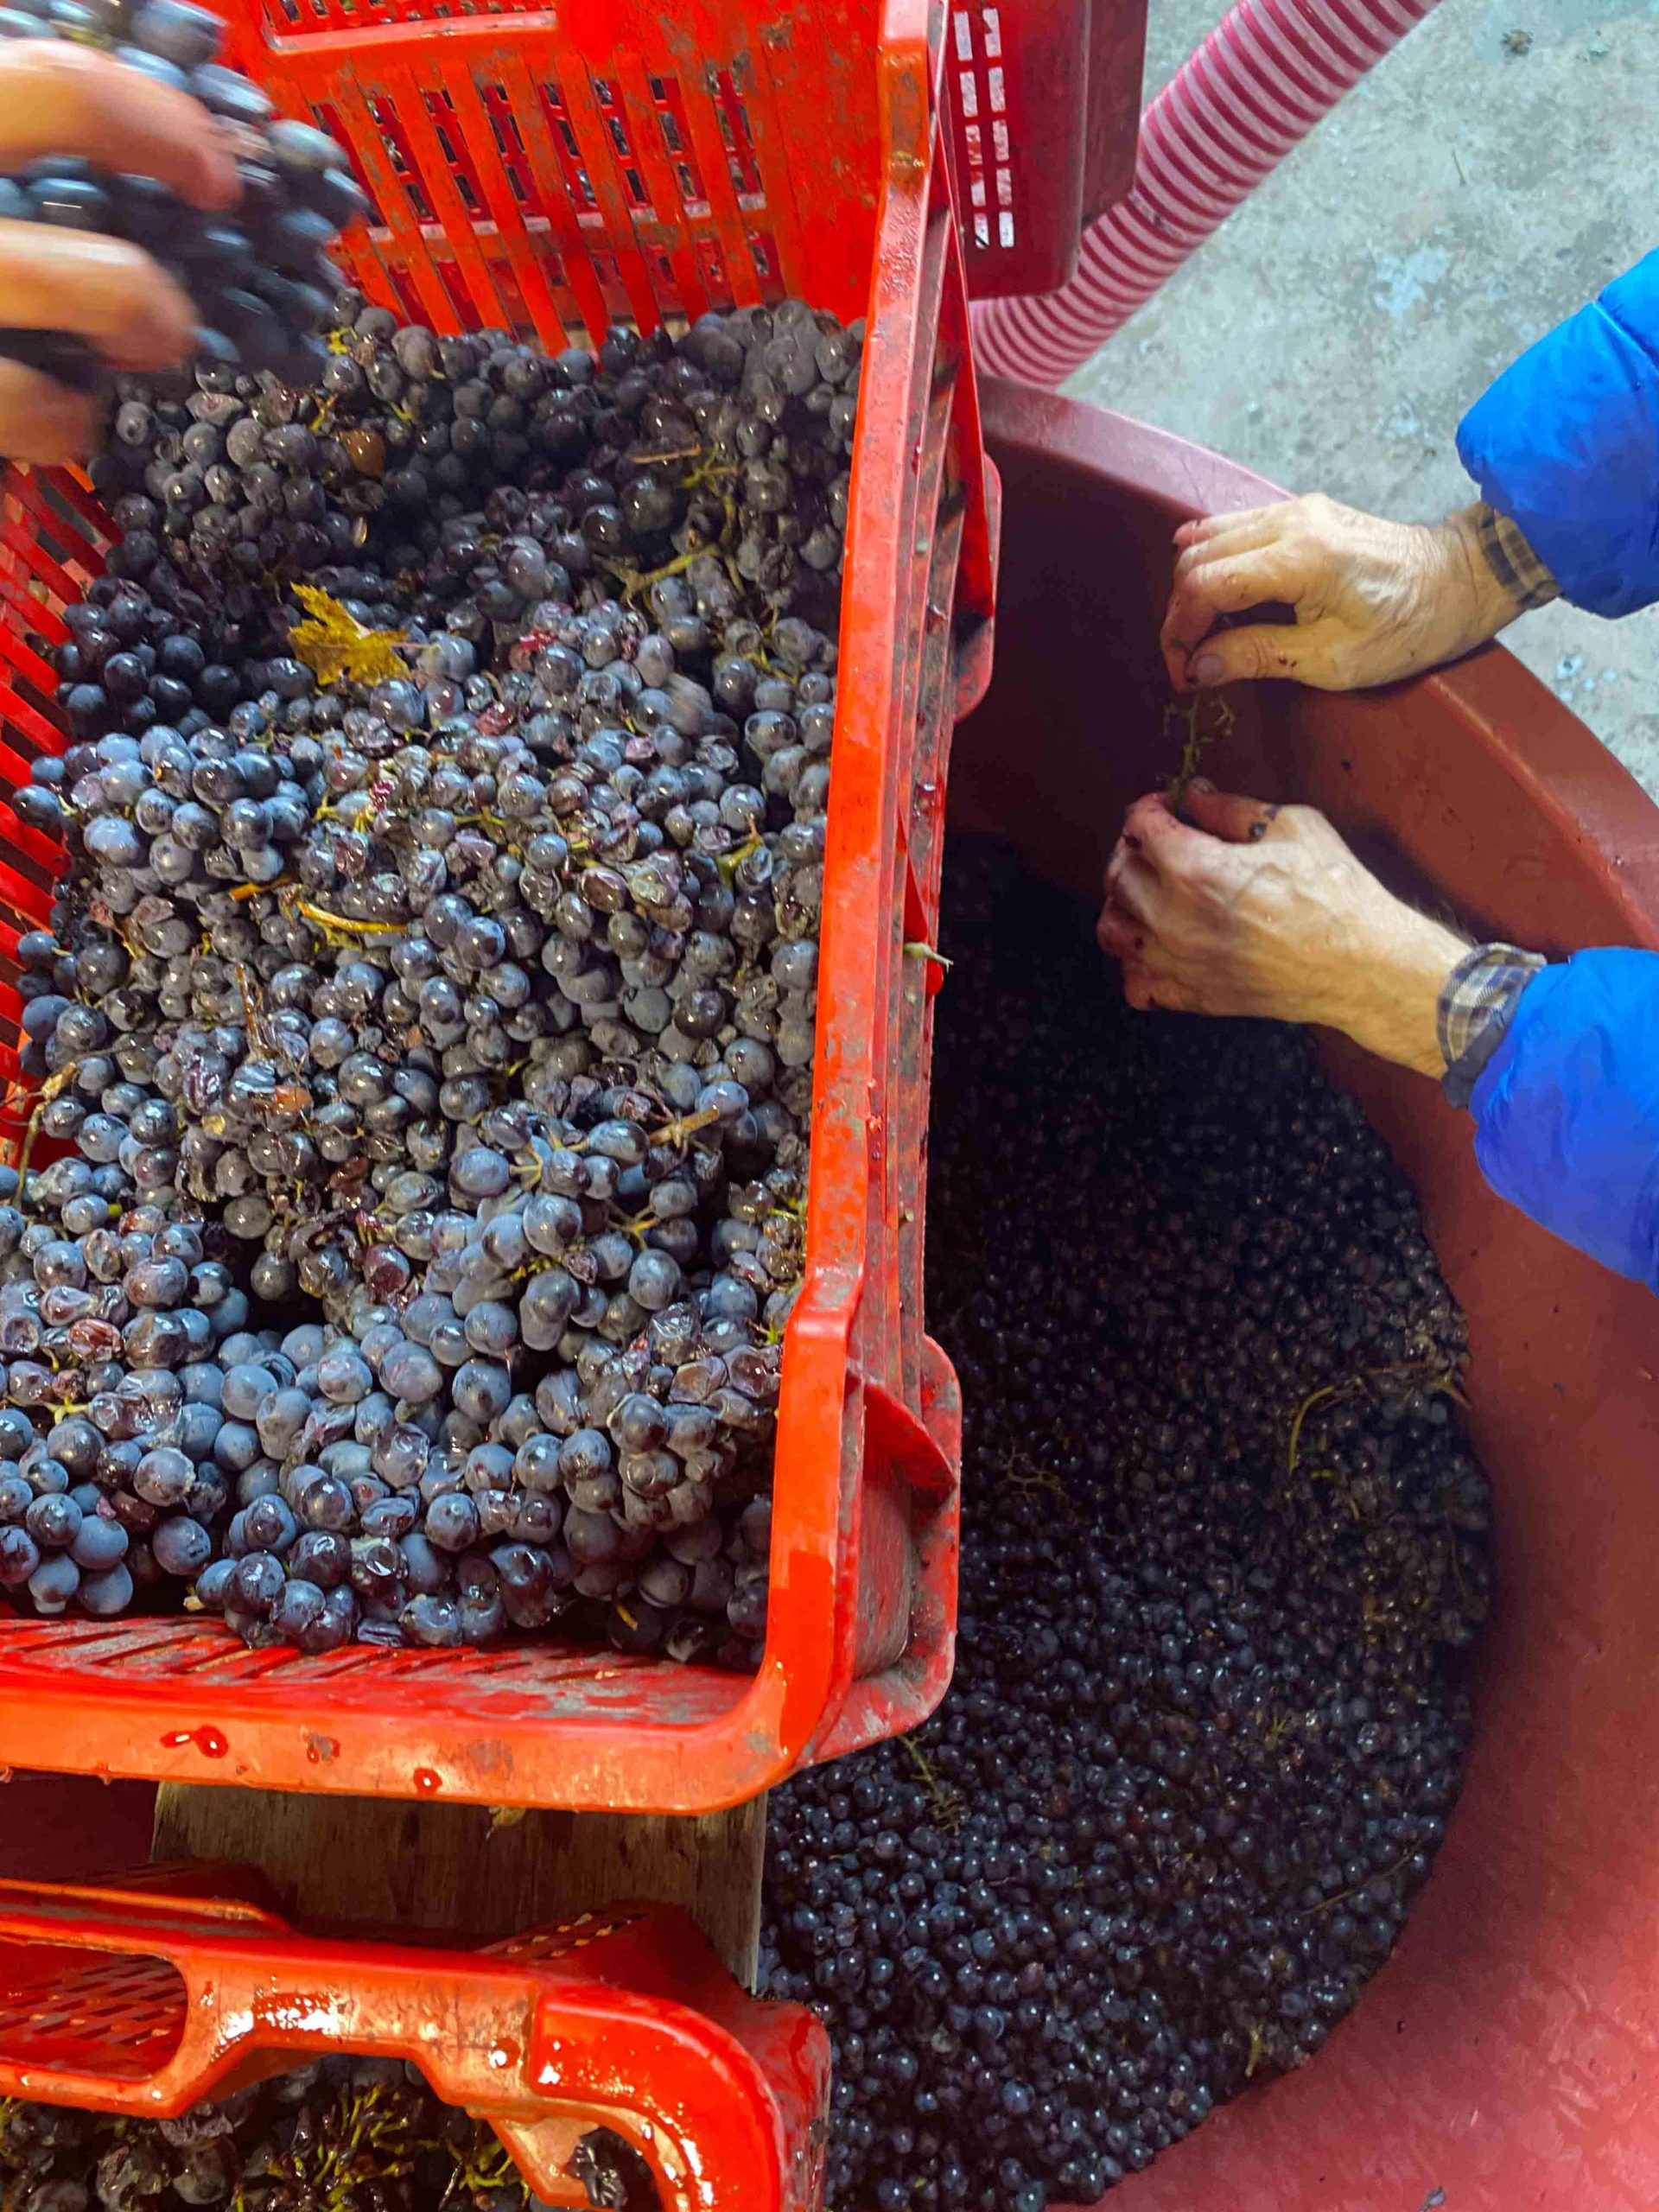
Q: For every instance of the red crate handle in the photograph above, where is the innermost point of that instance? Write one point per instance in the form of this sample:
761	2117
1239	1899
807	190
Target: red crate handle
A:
624	2019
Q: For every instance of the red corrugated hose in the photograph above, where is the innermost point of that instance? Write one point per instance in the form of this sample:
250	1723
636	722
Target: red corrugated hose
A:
1256	88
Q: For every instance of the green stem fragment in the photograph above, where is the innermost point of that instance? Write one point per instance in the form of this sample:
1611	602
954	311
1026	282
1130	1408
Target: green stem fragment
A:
1190	716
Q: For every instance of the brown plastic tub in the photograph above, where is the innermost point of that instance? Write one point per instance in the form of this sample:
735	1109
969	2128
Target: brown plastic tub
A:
1508	2056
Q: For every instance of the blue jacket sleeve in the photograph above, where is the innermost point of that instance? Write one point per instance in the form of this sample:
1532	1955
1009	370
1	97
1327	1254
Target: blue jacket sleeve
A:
1566	443
1567	1110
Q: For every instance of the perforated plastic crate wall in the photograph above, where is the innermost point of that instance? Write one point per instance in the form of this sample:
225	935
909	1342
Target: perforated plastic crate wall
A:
144	1998
543	172
1043	106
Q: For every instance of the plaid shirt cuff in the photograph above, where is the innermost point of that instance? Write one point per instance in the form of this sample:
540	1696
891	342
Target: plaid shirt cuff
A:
1477	1005
1512	561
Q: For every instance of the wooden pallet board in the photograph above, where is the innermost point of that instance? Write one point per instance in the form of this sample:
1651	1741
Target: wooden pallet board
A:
334	1863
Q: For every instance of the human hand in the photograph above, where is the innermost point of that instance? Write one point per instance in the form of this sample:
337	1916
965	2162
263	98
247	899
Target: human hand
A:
1374	600
1264	911
62	100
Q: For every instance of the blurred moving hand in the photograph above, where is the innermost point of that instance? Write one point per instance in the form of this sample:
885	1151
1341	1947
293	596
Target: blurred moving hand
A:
64	100
1373	601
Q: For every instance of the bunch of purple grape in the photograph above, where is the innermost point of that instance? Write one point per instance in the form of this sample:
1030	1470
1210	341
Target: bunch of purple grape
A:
357	2134
260	277
1224	1555
432	1028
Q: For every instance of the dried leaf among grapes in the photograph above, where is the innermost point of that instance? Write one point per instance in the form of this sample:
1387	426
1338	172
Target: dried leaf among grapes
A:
334	644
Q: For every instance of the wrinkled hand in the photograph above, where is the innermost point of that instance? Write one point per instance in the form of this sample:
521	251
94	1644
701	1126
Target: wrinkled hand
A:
1263	910
59	98
1374	600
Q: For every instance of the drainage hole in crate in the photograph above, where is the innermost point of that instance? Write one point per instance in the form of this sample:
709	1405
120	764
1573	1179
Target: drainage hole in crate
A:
120	2014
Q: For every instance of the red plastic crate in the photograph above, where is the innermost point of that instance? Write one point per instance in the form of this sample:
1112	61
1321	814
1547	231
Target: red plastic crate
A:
547	172
1043	105
145	1997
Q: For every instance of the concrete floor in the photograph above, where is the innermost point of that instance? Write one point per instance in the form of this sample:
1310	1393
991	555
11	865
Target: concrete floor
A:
1462	200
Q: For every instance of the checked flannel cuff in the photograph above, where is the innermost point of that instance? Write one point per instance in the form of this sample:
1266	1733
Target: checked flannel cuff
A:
1512	561
1478	1002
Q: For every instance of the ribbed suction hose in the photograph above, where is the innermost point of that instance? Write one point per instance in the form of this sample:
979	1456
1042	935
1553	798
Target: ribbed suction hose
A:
1256	88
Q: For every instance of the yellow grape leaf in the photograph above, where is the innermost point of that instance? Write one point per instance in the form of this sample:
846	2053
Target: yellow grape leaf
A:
333	644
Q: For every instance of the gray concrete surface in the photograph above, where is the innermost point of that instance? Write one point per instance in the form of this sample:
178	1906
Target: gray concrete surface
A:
1463	199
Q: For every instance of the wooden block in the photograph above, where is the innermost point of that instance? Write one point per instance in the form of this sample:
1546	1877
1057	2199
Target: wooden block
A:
337	1863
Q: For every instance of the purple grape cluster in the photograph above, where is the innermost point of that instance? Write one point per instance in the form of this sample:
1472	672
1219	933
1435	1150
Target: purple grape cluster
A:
357	2134
1223	1554
432	1033
260	277
440	480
